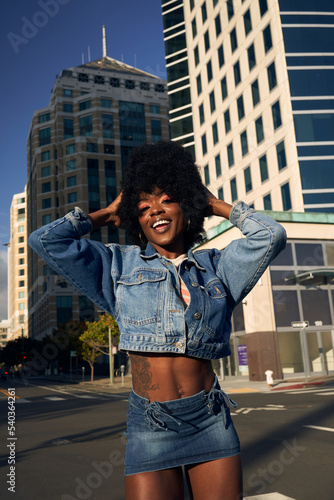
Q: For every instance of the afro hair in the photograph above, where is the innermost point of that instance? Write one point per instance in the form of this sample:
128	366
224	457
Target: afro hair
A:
170	167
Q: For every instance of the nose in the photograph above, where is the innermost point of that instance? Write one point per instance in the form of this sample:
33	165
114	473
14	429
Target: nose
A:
156	208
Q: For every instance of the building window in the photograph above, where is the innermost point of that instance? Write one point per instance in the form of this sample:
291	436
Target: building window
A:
244	143
109	149
21	295
21	239
194	27
21	262
192	4
267	41
215	133
45	136
247	22
240	106
286	199
106	103
72	198
276	112
233	38
259	130
204	13
108	126
46	219
230	9
85	105
206	41
196	55
209	71
46	203
44	118
21	200
86	126
71	165
46	171
255	93
221	58
263	7
267	202
212	101
72	181
251	57
21	284
218	25
83	77
21	250
263	168
64	309
21	306
220	194
91	147
144	86
129	84
21	229
70	149
155	108
67	107
224	88
227	121
272	81
281	158
204	145
206	175
21	272
68	128
237	74
114	82
45	156
199	84
67	93
46	187
156	130
248	179
218	166
201	114
230	155
234	192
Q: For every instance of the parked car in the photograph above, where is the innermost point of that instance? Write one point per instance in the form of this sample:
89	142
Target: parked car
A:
3	373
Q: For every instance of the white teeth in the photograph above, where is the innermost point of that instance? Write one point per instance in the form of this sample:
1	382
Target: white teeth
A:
160	222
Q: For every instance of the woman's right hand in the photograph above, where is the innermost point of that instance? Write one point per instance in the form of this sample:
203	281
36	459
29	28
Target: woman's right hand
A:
107	216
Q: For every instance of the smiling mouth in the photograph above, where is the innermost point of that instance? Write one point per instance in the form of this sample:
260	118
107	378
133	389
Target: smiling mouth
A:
161	225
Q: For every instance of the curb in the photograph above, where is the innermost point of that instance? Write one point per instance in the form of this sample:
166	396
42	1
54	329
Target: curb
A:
302	385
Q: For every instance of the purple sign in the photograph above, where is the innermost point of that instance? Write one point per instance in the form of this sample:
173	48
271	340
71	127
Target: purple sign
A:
242	355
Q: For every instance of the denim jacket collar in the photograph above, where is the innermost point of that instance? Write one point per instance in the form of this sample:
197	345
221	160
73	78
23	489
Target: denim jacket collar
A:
150	252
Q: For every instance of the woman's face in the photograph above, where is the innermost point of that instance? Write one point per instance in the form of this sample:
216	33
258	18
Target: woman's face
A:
161	220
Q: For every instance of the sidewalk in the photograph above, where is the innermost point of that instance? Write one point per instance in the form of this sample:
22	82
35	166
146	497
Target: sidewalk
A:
231	385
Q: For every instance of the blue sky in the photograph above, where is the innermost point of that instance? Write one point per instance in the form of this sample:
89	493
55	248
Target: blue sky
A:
40	38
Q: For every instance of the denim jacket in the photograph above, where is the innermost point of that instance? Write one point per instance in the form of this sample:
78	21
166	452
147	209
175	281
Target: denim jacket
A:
141	288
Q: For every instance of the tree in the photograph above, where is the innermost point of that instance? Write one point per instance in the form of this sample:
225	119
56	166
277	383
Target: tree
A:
95	339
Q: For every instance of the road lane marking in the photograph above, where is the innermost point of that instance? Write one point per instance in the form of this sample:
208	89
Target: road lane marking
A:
305	391
317	427
22	400
6	393
54	398
326	393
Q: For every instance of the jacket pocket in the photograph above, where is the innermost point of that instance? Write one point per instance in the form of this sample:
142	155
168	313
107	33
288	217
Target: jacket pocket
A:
140	296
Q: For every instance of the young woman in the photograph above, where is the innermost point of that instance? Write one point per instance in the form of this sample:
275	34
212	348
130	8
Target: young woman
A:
173	308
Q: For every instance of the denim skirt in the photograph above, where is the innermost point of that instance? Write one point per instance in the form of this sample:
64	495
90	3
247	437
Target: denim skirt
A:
162	435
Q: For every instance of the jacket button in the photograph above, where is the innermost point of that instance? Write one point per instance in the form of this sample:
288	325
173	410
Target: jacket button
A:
197	315
194	284
178	345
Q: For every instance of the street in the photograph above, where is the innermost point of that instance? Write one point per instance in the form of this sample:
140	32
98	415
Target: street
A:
70	442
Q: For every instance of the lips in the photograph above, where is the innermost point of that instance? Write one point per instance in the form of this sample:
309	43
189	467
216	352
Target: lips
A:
161	225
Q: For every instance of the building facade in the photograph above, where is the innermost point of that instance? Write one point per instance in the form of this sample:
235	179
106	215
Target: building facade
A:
252	96
18	268
78	147
4	332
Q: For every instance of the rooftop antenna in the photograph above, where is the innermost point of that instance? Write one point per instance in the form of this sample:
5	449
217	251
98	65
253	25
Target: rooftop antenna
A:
88	53
104	42
83	58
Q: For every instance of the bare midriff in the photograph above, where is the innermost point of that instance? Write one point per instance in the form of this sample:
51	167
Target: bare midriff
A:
164	377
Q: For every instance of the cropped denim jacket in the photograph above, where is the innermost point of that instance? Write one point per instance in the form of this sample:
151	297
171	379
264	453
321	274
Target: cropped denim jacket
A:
141	288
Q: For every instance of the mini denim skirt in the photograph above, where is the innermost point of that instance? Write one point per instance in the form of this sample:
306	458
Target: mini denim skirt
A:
162	435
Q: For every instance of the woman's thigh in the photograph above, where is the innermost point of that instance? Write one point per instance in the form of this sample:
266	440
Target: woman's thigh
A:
217	480
158	485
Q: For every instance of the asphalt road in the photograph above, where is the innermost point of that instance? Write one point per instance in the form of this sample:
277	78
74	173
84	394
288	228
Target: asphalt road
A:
70	442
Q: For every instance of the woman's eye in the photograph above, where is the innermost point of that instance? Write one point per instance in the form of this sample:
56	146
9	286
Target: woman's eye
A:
142	210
